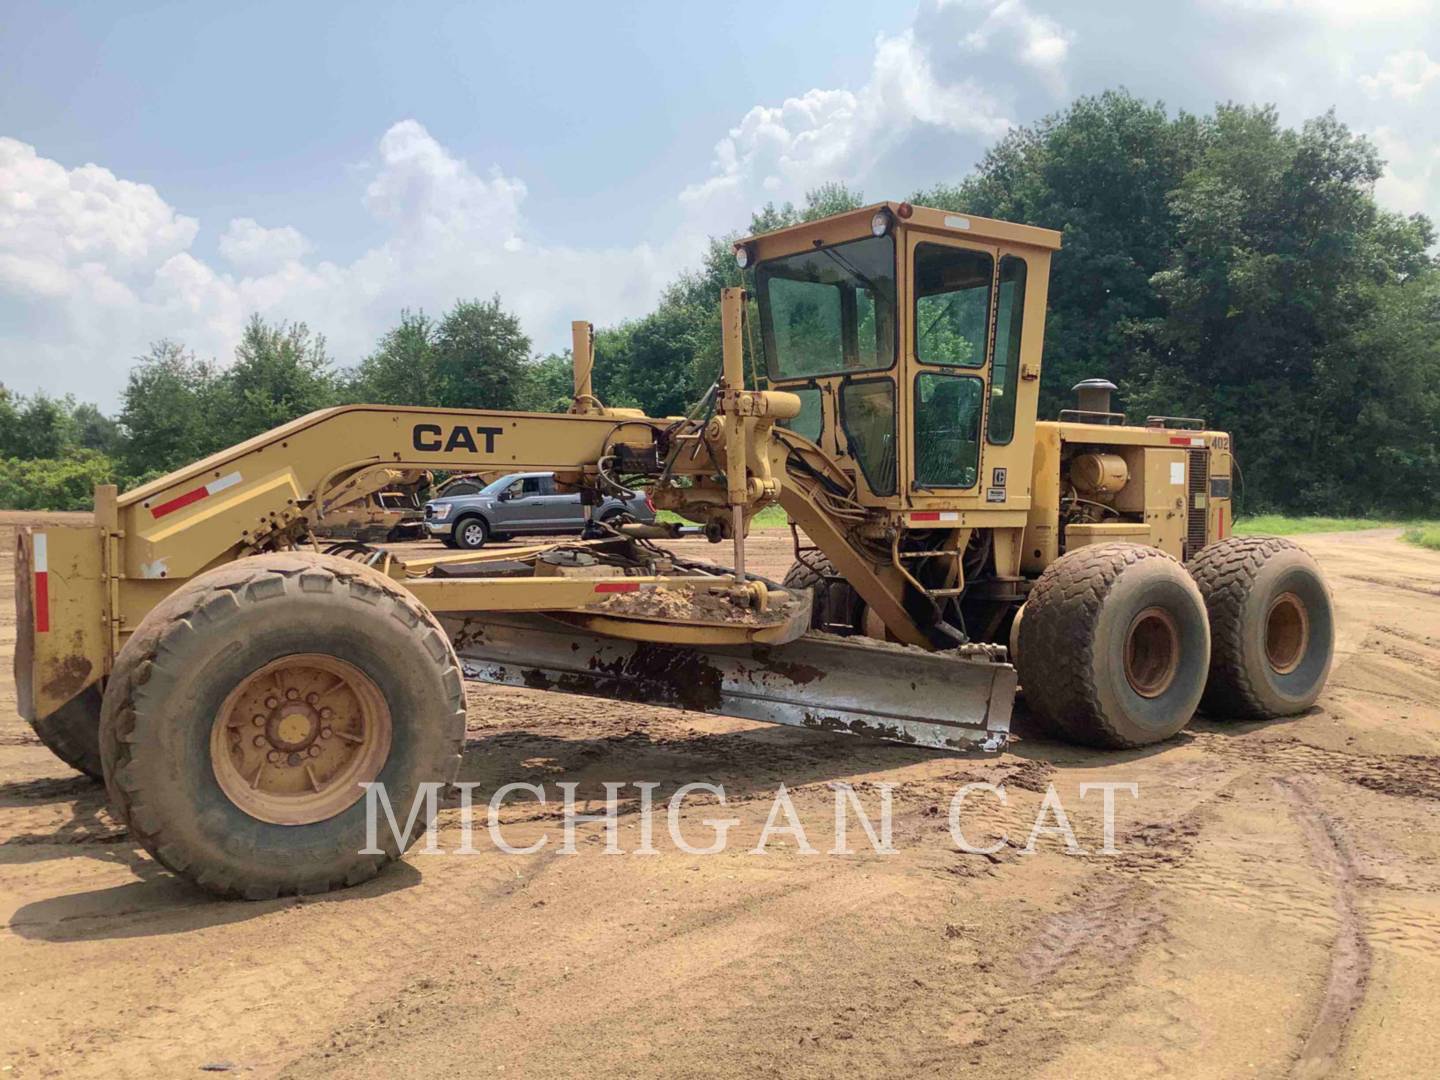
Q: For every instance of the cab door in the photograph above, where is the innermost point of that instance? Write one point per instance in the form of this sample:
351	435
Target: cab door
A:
951	308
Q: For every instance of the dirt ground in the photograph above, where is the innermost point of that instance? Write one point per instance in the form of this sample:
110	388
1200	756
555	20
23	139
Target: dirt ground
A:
1273	908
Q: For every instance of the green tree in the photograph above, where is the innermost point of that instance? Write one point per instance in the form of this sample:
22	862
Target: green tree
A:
1101	171
481	352
66	483
548	384
170	412
403	369
93	430
38	427
281	371
1279	270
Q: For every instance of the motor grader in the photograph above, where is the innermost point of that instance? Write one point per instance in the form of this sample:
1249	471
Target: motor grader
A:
236	686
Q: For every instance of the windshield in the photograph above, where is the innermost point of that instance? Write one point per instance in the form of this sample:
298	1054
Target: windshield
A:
829	310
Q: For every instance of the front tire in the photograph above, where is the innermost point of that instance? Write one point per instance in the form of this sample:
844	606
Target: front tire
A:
1114	646
836	607
1271	624
471	533
249	707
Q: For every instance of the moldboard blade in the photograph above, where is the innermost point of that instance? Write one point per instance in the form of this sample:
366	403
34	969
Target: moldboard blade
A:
853	686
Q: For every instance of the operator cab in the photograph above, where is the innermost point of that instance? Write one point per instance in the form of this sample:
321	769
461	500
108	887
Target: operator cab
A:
913	338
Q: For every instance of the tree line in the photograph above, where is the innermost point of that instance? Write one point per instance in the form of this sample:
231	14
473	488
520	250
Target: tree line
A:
1219	266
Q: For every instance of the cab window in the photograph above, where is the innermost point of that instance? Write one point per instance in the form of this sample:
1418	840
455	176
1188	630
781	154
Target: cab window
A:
829	310
867	412
811	420
947	430
1005	371
952	305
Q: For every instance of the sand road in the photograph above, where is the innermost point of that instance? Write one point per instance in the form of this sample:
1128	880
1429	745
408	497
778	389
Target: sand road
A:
1273	908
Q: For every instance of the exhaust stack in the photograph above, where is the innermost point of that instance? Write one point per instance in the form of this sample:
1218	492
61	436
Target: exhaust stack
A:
1093	395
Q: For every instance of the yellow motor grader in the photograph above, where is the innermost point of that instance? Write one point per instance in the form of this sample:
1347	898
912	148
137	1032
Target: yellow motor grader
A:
236	687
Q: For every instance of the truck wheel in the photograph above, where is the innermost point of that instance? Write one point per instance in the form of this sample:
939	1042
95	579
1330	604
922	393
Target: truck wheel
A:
836	607
1114	646
72	732
247	710
471	533
1272	628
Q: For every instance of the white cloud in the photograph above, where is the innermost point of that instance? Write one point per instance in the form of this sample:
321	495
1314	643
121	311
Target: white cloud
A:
1009	26
778	152
66	230
1403	75
1412	174
249	246
100	266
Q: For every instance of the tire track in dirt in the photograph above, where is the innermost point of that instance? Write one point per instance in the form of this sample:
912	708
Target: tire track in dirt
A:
1350	957
1415	776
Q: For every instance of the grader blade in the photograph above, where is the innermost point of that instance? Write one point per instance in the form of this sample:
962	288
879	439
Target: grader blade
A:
850	686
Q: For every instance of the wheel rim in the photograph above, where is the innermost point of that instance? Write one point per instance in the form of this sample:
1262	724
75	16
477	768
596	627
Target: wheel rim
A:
295	740
1152	652
1287	633
473	534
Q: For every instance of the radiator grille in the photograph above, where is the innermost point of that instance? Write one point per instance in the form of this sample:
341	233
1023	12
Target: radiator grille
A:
1198	476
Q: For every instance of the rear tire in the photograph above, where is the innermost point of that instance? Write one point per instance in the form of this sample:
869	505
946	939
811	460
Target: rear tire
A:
72	732
1272	627
471	533
176	726
1114	646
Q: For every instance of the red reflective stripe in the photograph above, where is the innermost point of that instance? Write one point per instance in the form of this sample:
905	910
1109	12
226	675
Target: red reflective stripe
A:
42	601
1221	530
925	515
179	502
1176	440
616	586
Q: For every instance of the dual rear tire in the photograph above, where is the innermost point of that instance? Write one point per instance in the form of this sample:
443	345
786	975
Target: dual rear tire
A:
1119	644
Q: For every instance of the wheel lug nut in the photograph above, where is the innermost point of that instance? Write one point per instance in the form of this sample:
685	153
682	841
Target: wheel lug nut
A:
314	751
258	721
326	732
271	702
312	698
259	740
292	693
273	757
325	714
293	759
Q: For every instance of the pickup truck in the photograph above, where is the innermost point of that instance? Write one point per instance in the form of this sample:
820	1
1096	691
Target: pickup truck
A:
520	504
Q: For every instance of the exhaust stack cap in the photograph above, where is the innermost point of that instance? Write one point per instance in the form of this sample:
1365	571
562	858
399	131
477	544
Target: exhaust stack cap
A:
1093	395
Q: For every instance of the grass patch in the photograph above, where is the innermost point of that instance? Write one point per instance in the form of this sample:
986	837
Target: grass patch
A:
772	517
1426	534
1281	525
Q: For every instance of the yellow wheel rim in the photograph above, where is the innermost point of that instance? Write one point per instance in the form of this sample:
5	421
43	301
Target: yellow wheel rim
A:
1287	633
295	740
1152	652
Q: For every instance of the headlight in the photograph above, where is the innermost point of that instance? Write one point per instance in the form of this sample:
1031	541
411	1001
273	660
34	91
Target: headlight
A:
880	223
742	255
440	510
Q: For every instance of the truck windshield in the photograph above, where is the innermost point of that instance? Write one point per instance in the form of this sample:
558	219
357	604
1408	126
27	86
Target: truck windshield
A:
830	310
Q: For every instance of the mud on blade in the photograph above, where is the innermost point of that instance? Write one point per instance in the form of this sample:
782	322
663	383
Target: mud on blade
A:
851	686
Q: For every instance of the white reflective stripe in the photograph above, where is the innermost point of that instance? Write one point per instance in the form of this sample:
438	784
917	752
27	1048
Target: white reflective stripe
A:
957	222
41	561
228	480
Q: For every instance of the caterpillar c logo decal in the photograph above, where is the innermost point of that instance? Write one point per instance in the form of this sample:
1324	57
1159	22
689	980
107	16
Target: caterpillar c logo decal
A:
430	438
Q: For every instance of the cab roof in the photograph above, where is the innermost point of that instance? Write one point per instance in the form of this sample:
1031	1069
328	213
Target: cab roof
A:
853	223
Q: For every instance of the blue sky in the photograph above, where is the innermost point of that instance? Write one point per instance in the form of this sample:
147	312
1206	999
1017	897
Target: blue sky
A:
167	168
